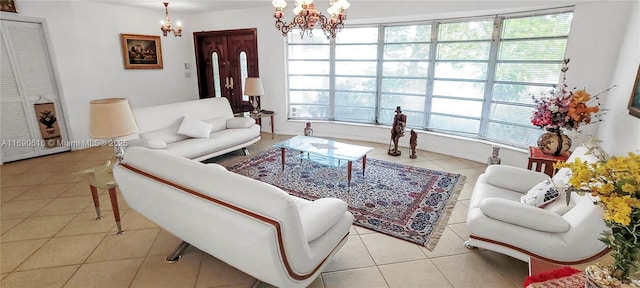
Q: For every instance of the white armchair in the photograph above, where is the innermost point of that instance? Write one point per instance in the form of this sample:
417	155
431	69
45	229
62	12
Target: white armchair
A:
557	233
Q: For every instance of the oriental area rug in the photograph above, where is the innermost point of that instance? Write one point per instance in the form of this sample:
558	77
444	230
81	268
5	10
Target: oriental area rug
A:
406	202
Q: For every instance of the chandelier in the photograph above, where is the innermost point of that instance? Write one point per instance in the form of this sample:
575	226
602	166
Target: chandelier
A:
166	24
307	17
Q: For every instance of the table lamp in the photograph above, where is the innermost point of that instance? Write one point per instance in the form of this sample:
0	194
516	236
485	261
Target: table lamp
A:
253	89
112	118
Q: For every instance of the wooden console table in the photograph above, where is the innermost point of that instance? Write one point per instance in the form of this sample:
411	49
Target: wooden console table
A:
540	159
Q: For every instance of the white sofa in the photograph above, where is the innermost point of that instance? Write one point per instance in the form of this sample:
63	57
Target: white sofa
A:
253	226
159	127
557	233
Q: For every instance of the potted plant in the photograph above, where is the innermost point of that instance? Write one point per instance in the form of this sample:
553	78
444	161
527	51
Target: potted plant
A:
564	109
614	184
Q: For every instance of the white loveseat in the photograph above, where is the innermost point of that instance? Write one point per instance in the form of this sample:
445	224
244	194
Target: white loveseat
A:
253	226
557	233
159	128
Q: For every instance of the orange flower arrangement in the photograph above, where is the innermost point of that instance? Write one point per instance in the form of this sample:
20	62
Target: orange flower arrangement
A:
566	108
578	109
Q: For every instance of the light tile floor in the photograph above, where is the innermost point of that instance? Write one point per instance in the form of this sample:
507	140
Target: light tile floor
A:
50	238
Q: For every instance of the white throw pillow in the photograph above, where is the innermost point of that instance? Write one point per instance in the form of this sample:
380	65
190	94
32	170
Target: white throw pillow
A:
219	123
541	194
240	122
194	128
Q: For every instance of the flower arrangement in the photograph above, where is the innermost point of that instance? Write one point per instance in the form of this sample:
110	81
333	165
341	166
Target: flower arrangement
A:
566	108
614	182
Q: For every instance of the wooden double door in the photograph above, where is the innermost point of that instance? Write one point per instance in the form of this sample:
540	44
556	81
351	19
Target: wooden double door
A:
224	59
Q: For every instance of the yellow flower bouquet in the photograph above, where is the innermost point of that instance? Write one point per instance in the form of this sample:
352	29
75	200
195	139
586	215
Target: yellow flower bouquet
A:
614	182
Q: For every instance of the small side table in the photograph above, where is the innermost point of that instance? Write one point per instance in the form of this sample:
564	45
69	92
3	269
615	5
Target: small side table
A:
102	177
540	159
258	117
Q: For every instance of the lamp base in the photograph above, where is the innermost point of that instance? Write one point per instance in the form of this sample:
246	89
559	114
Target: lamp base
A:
118	149
255	104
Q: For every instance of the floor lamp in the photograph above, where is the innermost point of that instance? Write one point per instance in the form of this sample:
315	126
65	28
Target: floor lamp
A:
253	88
112	118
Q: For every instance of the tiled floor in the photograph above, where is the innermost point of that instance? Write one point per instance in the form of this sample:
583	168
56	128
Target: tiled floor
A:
50	238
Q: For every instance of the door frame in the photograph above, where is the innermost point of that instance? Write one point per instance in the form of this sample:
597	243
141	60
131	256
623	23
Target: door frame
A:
201	67
64	129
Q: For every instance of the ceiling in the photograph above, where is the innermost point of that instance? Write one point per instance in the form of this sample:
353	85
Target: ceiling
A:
189	6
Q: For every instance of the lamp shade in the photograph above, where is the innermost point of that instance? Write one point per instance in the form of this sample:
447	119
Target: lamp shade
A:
253	87
111	118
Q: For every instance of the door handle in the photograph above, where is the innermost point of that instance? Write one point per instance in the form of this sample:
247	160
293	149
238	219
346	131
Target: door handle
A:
228	83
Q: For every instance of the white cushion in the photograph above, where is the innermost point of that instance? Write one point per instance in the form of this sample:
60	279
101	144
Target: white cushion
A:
521	215
540	194
193	147
219	123
166	135
231	137
582	152
194	128
559	206
320	215
148	143
240	122
513	178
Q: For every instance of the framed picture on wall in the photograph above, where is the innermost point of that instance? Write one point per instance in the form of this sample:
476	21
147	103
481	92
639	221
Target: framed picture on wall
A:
141	51
634	101
8	6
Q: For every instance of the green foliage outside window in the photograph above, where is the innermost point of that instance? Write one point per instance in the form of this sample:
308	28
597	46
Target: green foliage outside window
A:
462	90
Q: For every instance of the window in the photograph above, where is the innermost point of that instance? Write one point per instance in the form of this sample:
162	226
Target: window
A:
528	63
309	64
405	71
215	66
243	73
356	65
471	77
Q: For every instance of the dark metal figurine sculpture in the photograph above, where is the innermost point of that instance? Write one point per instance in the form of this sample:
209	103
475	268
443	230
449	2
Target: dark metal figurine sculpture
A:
397	131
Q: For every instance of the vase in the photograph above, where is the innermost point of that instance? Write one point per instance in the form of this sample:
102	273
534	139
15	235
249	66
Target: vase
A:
308	131
598	276
494	158
554	142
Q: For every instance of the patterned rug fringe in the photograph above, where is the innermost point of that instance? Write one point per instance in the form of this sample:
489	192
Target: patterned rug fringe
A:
444	219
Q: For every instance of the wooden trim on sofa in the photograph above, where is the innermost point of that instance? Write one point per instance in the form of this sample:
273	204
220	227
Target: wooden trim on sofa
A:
581	261
251	214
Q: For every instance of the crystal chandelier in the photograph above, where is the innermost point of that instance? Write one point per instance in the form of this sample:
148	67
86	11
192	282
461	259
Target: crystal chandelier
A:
308	17
166	24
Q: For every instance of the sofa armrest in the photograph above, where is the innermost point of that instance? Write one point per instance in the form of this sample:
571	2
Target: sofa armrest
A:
320	215
523	215
217	167
240	122
147	143
513	178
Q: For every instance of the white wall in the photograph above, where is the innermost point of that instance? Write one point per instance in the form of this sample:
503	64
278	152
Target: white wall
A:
621	132
85	39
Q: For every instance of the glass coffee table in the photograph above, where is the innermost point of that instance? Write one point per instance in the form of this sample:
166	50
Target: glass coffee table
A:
326	152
